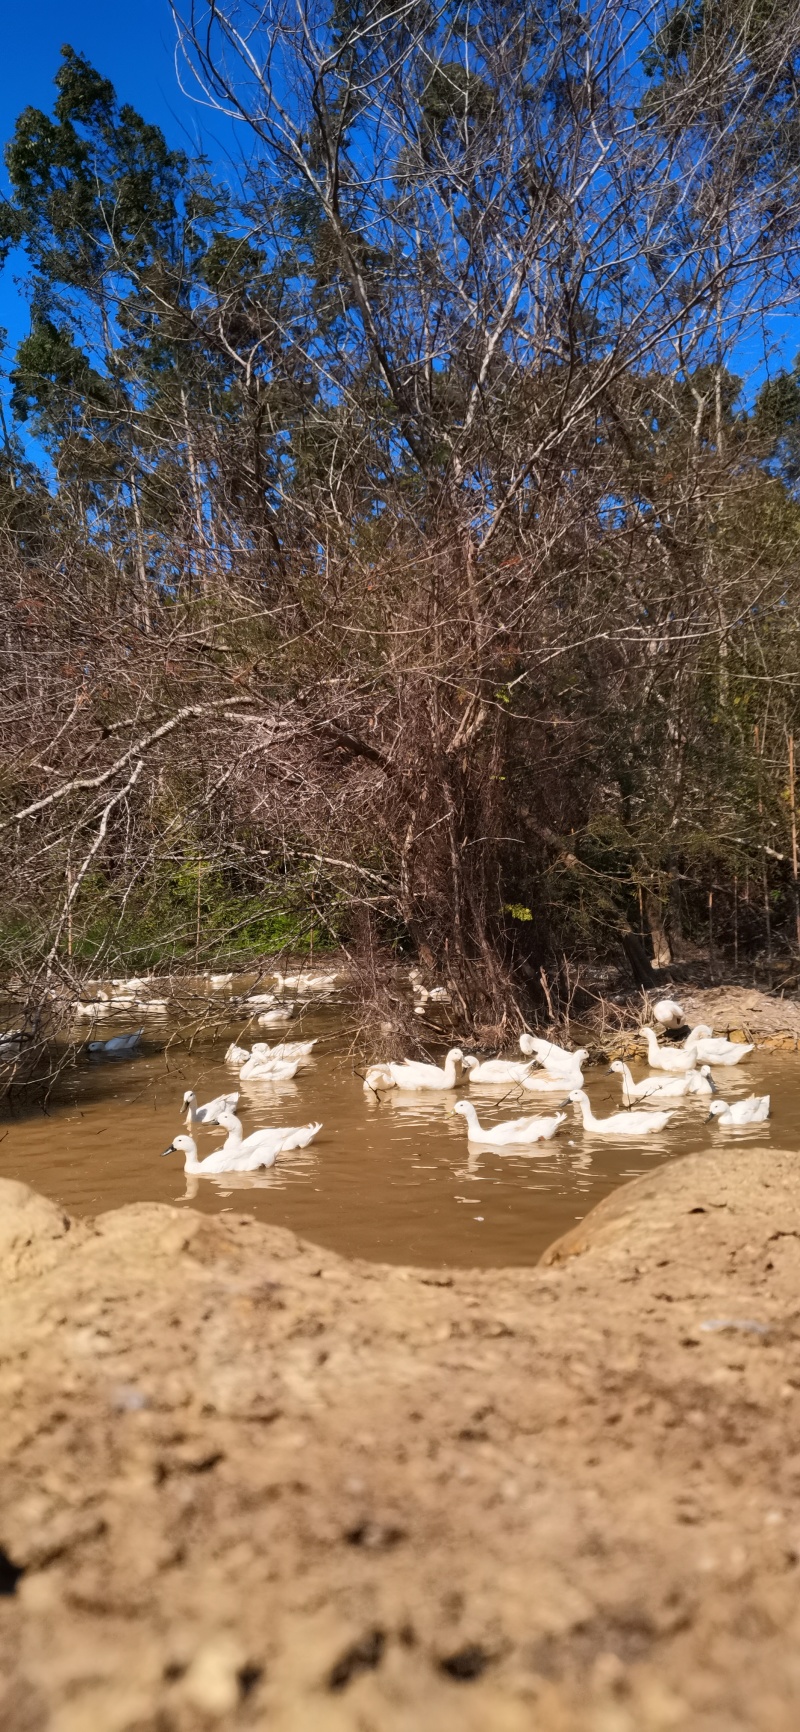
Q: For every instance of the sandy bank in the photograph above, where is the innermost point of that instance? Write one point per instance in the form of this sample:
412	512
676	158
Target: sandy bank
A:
250	1485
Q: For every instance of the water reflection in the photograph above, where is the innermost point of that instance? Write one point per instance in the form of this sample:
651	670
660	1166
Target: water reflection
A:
390	1176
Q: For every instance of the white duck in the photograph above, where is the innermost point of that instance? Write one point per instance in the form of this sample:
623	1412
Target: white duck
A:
496	1070
119	1045
555	1083
305	983
378	1076
283	1049
219	980
410	1074
618	1124
237	1055
716	1049
269	1069
427	994
673	1058
281	1013
558	1060
751	1111
669	1013
206	1115
219	1161
661	1088
270	1141
512	1132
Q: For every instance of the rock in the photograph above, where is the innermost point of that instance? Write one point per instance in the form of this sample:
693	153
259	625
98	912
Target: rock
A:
212	1682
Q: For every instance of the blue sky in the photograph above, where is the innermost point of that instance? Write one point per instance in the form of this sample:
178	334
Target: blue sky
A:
131	44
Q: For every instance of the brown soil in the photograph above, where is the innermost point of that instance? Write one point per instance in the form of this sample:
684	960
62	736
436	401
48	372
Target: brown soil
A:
250	1485
740	1012
760	1017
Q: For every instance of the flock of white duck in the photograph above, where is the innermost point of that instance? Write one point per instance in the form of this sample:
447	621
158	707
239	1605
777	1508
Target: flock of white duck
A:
271	1009
681	1071
241	1154
136	993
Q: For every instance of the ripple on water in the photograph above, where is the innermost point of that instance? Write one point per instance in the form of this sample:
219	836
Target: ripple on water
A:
390	1178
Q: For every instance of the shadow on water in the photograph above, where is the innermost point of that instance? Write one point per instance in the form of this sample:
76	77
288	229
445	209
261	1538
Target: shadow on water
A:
390	1178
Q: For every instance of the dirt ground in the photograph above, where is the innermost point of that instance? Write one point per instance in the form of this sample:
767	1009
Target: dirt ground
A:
740	1012
762	1017
245	1484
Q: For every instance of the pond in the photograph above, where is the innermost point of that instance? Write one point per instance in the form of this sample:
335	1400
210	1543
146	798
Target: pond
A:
387	1179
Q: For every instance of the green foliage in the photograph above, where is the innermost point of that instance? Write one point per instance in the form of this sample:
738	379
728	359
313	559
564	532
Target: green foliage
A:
156	925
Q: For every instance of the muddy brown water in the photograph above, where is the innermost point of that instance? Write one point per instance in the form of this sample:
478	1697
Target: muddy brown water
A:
390	1180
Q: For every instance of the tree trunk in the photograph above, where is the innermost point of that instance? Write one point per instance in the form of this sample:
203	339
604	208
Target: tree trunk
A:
662	955
638	961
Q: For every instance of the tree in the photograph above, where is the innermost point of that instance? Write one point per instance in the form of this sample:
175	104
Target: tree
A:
412	528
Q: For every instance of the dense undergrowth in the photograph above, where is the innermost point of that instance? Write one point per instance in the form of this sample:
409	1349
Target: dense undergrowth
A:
412	564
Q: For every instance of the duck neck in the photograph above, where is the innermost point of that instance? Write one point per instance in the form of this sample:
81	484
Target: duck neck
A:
233	1141
450	1076
628	1086
191	1163
586	1111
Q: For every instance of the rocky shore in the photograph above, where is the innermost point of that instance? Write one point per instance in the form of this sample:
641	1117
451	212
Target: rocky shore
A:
246	1484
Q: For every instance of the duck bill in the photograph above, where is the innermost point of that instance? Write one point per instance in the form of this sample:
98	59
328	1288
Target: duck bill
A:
169	1151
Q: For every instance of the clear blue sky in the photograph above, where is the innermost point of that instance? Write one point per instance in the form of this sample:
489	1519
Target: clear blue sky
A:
133	45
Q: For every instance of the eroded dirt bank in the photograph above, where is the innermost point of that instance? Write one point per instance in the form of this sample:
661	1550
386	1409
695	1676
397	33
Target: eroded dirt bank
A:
250	1485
